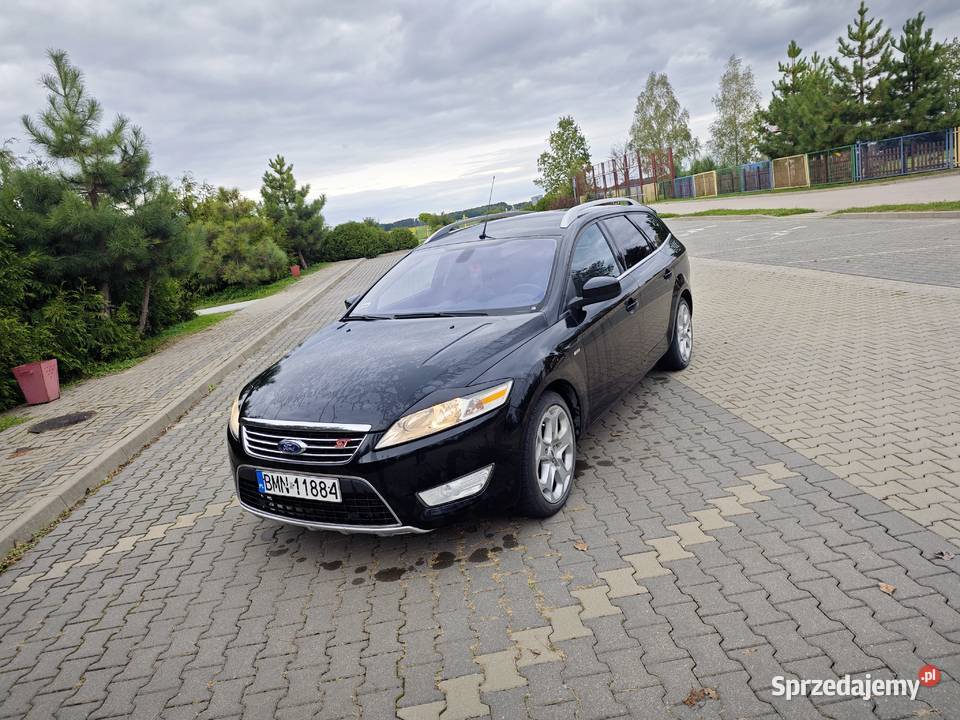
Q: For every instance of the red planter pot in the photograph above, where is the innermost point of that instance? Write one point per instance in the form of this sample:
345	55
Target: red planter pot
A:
39	381
295	270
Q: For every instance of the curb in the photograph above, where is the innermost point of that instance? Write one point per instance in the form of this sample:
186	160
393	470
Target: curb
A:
918	215
108	462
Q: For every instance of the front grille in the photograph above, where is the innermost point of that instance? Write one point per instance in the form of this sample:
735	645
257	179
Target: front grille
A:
360	505
324	446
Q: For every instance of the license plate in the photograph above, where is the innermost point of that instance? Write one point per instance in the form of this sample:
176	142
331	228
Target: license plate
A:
324	489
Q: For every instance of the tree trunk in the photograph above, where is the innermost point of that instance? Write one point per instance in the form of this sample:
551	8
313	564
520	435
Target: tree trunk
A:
105	291
302	261
145	306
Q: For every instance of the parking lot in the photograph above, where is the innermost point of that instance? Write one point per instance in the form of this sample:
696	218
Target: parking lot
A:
789	506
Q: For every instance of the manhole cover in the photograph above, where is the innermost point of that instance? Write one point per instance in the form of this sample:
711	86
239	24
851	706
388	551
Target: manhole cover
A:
61	422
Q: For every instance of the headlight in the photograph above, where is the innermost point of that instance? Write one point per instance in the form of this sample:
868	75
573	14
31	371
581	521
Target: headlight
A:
234	423
445	415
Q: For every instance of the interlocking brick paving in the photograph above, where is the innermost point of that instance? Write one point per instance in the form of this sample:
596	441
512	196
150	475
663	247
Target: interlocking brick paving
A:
40	470
861	375
697	551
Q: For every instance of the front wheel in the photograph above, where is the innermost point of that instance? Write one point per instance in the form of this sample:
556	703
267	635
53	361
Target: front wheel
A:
550	457
680	351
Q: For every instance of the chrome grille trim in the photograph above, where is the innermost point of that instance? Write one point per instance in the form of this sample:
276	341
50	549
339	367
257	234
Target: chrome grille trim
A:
260	441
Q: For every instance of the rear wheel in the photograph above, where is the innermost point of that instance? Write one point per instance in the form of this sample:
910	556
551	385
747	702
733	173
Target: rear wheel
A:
550	457
680	351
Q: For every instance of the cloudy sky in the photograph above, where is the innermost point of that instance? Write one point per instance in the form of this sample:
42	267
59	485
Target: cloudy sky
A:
395	108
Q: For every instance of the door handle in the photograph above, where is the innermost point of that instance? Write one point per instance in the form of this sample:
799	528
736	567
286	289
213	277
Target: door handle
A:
667	273
631	305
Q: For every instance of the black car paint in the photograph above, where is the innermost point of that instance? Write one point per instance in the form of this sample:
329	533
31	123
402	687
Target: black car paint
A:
374	372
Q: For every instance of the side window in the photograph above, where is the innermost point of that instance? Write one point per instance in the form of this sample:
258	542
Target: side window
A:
592	257
652	227
631	244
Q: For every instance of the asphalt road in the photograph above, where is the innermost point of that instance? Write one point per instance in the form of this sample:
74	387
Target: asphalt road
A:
919	251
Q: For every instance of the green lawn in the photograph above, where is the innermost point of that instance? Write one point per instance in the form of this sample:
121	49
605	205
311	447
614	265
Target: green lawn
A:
422	232
240	294
773	212
157	342
905	207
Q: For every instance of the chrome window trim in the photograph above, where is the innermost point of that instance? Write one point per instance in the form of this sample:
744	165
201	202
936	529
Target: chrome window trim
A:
396	529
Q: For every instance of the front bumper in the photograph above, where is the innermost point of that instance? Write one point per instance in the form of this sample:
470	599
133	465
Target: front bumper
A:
380	487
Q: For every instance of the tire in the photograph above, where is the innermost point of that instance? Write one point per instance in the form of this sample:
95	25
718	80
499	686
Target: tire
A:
548	465
680	352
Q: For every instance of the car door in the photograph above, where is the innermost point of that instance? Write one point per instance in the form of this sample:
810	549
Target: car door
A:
659	284
635	340
592	256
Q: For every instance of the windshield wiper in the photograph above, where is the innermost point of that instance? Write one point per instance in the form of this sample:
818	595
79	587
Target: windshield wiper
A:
367	317
411	316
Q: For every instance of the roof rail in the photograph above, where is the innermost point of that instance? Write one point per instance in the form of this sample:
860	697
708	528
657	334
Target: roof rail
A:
477	219
577	210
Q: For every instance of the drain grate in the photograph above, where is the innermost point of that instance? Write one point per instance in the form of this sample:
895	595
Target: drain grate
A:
63	421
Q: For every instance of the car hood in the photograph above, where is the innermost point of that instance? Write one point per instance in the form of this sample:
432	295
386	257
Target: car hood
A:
370	372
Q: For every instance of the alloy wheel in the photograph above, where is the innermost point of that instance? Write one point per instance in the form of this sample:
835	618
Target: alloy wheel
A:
555	453
684	332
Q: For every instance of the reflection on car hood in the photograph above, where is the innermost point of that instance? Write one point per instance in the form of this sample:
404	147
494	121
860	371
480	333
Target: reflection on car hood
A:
370	372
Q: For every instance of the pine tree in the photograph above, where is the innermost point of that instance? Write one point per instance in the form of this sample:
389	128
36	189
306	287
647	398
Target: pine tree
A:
170	247
803	113
792	70
920	81
106	167
299	219
867	48
566	155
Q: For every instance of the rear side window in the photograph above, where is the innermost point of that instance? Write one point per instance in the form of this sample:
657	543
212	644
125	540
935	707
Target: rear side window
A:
652	227
629	241
592	257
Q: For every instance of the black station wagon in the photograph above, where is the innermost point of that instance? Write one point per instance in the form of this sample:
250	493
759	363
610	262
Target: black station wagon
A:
464	376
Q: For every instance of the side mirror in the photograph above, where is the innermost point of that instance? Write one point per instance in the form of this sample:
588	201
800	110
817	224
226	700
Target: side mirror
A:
599	289
350	301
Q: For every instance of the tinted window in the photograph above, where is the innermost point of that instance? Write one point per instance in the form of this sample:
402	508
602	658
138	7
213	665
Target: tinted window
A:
652	227
632	245
483	276
592	257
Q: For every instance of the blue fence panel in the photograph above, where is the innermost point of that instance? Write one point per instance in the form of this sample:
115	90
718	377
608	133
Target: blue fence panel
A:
755	176
683	187
904	155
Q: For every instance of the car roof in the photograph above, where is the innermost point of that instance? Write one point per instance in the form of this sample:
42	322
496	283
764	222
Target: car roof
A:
534	224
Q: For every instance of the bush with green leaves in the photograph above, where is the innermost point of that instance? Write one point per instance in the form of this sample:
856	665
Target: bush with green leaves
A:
354	240
401	239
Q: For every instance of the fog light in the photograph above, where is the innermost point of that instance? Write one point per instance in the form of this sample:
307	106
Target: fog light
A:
457	489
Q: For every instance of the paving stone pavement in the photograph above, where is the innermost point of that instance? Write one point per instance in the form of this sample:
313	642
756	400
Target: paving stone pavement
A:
697	551
42	474
861	375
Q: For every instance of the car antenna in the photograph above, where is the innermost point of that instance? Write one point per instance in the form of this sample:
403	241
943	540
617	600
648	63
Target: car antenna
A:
483	233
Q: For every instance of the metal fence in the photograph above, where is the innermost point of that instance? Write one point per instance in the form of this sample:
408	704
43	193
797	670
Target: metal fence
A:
629	175
648	180
836	165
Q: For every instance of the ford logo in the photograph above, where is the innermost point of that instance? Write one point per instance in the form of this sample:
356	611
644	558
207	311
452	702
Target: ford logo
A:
291	447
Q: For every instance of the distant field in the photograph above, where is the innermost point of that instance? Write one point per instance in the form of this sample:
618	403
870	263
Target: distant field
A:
421	231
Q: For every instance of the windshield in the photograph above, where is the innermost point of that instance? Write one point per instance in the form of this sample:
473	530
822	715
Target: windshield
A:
483	277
